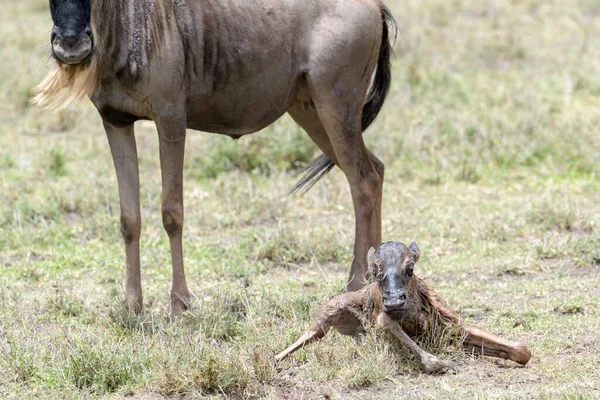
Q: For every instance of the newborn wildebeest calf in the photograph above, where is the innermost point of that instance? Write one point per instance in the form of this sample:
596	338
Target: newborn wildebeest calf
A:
402	303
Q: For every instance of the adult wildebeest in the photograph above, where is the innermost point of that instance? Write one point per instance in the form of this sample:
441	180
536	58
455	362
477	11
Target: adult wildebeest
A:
230	67
402	303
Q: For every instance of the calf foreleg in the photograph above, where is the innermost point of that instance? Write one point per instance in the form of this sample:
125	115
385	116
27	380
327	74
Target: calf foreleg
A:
484	343
430	363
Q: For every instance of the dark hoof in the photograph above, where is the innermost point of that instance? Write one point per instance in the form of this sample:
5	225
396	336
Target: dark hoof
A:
179	305
134	305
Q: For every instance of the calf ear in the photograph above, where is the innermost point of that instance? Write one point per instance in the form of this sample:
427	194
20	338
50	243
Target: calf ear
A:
414	249
371	264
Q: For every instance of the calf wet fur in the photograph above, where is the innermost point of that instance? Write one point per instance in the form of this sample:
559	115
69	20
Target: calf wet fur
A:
403	304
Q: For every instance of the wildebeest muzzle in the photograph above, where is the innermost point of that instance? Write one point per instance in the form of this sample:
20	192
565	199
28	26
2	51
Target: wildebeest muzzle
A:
70	47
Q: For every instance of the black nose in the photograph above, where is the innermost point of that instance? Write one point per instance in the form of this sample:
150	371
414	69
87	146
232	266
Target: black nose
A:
72	46
69	37
394	304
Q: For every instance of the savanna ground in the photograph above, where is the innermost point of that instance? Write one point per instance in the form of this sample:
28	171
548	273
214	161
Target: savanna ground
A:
491	140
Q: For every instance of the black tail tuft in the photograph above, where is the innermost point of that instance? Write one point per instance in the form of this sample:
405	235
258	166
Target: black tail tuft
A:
319	167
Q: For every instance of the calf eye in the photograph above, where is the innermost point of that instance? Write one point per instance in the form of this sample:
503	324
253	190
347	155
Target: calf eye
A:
409	270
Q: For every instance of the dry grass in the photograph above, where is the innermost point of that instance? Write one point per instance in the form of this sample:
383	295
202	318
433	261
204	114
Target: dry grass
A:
490	138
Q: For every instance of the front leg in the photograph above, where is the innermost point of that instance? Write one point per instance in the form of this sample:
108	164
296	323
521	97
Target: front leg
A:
124	153
430	363
171	134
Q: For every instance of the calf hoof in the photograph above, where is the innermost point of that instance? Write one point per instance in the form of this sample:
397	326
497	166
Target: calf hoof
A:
281	356
433	365
521	354
179	304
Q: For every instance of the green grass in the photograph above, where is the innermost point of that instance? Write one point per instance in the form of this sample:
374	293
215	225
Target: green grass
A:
490	140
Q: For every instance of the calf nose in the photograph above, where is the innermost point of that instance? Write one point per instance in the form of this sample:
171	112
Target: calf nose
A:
395	303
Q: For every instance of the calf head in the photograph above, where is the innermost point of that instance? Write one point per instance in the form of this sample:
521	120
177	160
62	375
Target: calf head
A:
392	265
71	40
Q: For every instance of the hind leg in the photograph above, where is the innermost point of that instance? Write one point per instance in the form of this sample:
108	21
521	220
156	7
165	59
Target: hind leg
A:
339	134
343	312
307	117
312	334
484	343
342	62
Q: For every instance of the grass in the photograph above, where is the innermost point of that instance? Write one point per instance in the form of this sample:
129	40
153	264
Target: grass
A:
490	140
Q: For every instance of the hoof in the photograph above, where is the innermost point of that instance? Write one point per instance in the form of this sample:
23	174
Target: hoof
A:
521	354
433	365
179	305
135	305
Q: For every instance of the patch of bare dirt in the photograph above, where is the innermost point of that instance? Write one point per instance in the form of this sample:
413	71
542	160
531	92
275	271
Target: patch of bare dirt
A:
569	267
8	260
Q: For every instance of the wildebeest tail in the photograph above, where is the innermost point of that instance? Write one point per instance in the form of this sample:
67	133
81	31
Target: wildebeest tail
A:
320	166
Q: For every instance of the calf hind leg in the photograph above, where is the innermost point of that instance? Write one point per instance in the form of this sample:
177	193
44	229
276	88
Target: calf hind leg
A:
478	341
340	312
312	334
